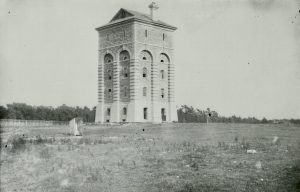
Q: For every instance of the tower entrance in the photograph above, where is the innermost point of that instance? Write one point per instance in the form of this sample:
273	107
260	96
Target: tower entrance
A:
163	114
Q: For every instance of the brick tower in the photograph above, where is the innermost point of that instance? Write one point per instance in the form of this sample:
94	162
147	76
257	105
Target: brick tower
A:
136	69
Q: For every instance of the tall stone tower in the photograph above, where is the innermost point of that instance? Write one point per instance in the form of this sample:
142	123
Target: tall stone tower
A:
136	69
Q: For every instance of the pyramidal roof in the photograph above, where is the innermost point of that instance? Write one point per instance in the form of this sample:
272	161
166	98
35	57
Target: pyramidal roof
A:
125	15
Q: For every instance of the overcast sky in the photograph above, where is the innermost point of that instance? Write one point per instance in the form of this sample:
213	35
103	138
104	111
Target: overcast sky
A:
236	57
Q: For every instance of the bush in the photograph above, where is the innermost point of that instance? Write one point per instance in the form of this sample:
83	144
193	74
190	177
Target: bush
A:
18	144
45	154
39	140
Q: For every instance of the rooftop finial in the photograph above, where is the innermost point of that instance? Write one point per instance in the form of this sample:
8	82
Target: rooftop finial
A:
152	7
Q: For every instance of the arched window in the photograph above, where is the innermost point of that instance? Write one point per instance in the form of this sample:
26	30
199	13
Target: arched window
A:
144	72
124	55
144	91
162	74
162	93
108	111
145	56
164	58
108	58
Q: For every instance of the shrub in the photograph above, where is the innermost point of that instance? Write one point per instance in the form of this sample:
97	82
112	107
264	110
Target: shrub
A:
39	140
18	144
45	154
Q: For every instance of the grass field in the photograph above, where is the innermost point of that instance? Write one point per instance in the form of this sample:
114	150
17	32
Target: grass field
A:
152	157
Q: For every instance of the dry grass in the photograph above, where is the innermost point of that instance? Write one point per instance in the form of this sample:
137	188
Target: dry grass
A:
147	157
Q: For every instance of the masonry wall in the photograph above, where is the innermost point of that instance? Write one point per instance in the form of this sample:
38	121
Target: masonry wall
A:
158	42
137	40
116	35
112	42
155	35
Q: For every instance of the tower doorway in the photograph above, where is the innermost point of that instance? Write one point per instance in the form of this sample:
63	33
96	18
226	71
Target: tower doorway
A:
145	113
163	114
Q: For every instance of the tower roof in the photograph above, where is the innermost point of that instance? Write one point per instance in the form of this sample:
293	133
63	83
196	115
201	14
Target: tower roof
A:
125	15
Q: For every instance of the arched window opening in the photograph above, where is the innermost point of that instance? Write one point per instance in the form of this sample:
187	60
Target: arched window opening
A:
144	72
164	58
162	93
144	91
108	111
124	55
145	55
146	33
108	58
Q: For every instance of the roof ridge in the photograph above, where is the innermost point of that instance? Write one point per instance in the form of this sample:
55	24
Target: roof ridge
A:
143	14
133	12
126	14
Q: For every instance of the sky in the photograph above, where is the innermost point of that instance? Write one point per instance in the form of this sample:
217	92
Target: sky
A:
236	57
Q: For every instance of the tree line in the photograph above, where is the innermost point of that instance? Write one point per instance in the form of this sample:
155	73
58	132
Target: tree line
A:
186	114
60	113
189	114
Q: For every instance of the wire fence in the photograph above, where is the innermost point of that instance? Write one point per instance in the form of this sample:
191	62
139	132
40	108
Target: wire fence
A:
29	123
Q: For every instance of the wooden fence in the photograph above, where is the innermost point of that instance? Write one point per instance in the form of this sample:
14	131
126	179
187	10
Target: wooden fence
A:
29	123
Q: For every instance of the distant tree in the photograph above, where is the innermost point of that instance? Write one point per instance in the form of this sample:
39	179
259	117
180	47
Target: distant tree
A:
61	113
44	113
189	114
20	111
65	113
295	121
3	112
201	116
85	113
235	119
264	120
214	116
14	112
93	114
